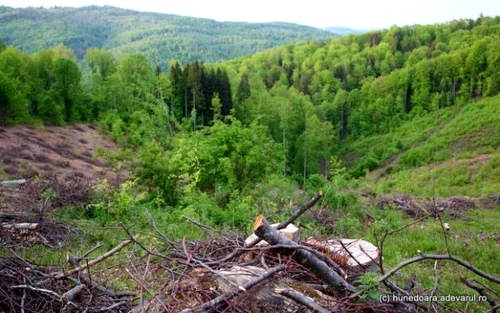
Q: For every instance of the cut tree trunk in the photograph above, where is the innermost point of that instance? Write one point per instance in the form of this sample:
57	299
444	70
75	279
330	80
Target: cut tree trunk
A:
290	231
357	253
266	232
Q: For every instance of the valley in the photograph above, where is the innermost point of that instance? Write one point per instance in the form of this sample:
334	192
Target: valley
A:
131	187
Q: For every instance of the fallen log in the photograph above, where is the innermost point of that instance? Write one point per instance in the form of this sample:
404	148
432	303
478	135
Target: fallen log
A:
19	225
266	232
12	182
211	306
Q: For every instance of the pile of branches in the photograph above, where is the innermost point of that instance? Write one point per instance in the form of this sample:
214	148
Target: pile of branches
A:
417	208
226	275
43	194
30	288
47	193
404	203
25	229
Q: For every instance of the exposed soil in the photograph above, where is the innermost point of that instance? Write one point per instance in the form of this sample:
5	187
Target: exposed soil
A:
58	164
26	151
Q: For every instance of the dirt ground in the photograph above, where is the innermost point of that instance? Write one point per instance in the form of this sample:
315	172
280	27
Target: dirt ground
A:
26	151
64	157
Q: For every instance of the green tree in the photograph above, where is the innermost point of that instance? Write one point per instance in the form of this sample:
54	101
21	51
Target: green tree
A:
178	90
101	61
67	85
243	91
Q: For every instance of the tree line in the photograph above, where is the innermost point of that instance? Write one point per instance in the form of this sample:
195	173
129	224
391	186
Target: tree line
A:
125	94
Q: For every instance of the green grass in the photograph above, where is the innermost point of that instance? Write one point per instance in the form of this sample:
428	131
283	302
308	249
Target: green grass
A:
474	131
450	152
473	239
470	177
357	154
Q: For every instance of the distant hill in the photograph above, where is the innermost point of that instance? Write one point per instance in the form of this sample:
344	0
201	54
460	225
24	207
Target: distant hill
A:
161	36
344	31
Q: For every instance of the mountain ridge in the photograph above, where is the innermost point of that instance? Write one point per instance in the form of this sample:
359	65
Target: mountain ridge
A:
161	36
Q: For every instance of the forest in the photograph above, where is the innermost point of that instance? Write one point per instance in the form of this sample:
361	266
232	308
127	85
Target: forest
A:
314	96
160	37
411	109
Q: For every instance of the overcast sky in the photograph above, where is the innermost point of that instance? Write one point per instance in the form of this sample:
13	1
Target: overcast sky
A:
361	14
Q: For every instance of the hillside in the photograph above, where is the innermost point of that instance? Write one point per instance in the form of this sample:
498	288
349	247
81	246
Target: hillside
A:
451	153
329	97
160	36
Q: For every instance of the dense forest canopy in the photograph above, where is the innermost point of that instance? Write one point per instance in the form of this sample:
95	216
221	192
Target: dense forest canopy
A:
161	37
364	84
304	102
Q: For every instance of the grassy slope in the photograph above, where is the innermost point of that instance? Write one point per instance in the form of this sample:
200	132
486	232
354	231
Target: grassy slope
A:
161	36
454	151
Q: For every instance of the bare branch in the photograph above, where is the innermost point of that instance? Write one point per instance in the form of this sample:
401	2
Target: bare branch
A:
50	292
436	285
440	257
106	255
482	292
202	226
301	299
388	233
71	294
282	225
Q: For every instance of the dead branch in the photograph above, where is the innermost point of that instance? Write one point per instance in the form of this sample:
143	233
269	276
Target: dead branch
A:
320	255
350	254
411	282
200	225
106	255
211	305
75	260
436	285
388	233
301	210
264	231
440	257
12	182
301	299
109	308
50	292
145	288
482	292
109	292
142	246
71	294
19	225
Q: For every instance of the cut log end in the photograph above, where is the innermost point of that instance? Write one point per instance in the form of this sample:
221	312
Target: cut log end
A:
259	221
320	193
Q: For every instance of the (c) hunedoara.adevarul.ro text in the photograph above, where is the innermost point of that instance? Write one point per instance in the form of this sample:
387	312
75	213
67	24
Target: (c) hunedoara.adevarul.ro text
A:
427	298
